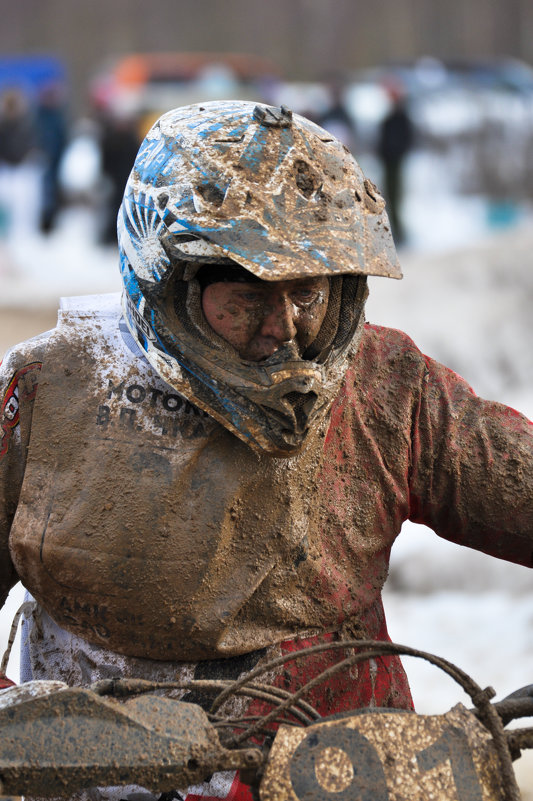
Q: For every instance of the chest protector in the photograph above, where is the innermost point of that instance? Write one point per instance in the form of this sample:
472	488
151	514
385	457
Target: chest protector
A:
146	526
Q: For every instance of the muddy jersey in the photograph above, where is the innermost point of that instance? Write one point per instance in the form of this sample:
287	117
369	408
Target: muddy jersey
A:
143	526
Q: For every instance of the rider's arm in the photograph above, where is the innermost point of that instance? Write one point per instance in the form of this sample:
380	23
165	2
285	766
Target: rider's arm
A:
472	468
19	376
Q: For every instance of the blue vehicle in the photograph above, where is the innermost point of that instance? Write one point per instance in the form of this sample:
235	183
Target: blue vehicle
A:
30	74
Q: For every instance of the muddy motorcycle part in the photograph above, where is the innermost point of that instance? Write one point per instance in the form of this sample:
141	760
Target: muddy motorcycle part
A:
57	740
67	739
391	755
457	738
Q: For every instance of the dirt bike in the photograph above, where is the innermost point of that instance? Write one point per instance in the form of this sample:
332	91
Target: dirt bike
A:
56	740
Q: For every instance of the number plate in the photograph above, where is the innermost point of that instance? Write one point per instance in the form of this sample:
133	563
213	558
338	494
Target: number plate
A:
384	756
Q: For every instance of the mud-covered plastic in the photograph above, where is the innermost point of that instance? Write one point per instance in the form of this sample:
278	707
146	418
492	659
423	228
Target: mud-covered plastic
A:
57	740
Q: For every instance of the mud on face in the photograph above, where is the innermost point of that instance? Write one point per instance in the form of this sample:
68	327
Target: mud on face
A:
257	317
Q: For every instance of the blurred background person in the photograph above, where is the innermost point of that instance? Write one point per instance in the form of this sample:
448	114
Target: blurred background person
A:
395	140
119	144
52	140
18	166
336	118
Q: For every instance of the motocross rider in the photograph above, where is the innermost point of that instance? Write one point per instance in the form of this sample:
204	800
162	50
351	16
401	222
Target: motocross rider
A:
212	469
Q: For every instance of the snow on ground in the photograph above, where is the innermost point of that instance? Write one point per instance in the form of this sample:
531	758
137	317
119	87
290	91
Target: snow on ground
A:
36	271
466	300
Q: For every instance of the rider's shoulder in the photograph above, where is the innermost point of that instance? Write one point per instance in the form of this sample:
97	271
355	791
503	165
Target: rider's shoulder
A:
380	342
73	313
25	355
104	306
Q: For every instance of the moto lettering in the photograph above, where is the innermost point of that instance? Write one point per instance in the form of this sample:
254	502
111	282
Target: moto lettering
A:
102	416
154	395
74	607
136	393
127	417
115	390
172	402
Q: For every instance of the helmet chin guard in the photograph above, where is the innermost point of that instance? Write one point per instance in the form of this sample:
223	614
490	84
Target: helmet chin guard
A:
282	198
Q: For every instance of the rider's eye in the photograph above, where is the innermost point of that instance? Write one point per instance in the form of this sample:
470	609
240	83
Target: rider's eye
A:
304	295
251	297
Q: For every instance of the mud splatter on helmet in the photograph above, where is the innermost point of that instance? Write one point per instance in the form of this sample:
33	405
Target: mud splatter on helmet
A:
238	183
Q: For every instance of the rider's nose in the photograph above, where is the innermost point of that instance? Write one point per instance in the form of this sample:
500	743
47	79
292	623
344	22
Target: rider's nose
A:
278	321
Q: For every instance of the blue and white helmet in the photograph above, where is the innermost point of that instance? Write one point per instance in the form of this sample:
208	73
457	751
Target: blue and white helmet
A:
238	183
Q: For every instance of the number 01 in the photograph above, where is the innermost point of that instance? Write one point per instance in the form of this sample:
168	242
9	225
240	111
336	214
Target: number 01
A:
369	782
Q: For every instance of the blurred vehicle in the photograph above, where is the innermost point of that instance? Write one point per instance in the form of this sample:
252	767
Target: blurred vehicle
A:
309	98
132	92
506	74
31	74
148	84
476	114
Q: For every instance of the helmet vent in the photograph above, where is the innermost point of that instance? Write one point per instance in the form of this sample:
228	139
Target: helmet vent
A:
373	200
230	140
302	404
272	116
305	178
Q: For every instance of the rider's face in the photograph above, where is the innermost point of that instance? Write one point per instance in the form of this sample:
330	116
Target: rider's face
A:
257	317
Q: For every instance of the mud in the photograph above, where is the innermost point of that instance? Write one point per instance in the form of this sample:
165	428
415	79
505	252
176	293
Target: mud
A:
231	529
173	539
72	739
14	335
257	319
390	757
272	182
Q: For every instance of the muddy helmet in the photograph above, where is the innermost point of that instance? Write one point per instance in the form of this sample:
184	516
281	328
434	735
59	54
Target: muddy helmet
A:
235	183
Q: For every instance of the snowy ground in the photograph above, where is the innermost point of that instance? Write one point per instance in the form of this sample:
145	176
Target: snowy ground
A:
469	307
466	299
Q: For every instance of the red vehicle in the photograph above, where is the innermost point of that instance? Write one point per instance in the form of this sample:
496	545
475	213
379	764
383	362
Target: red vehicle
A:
148	84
